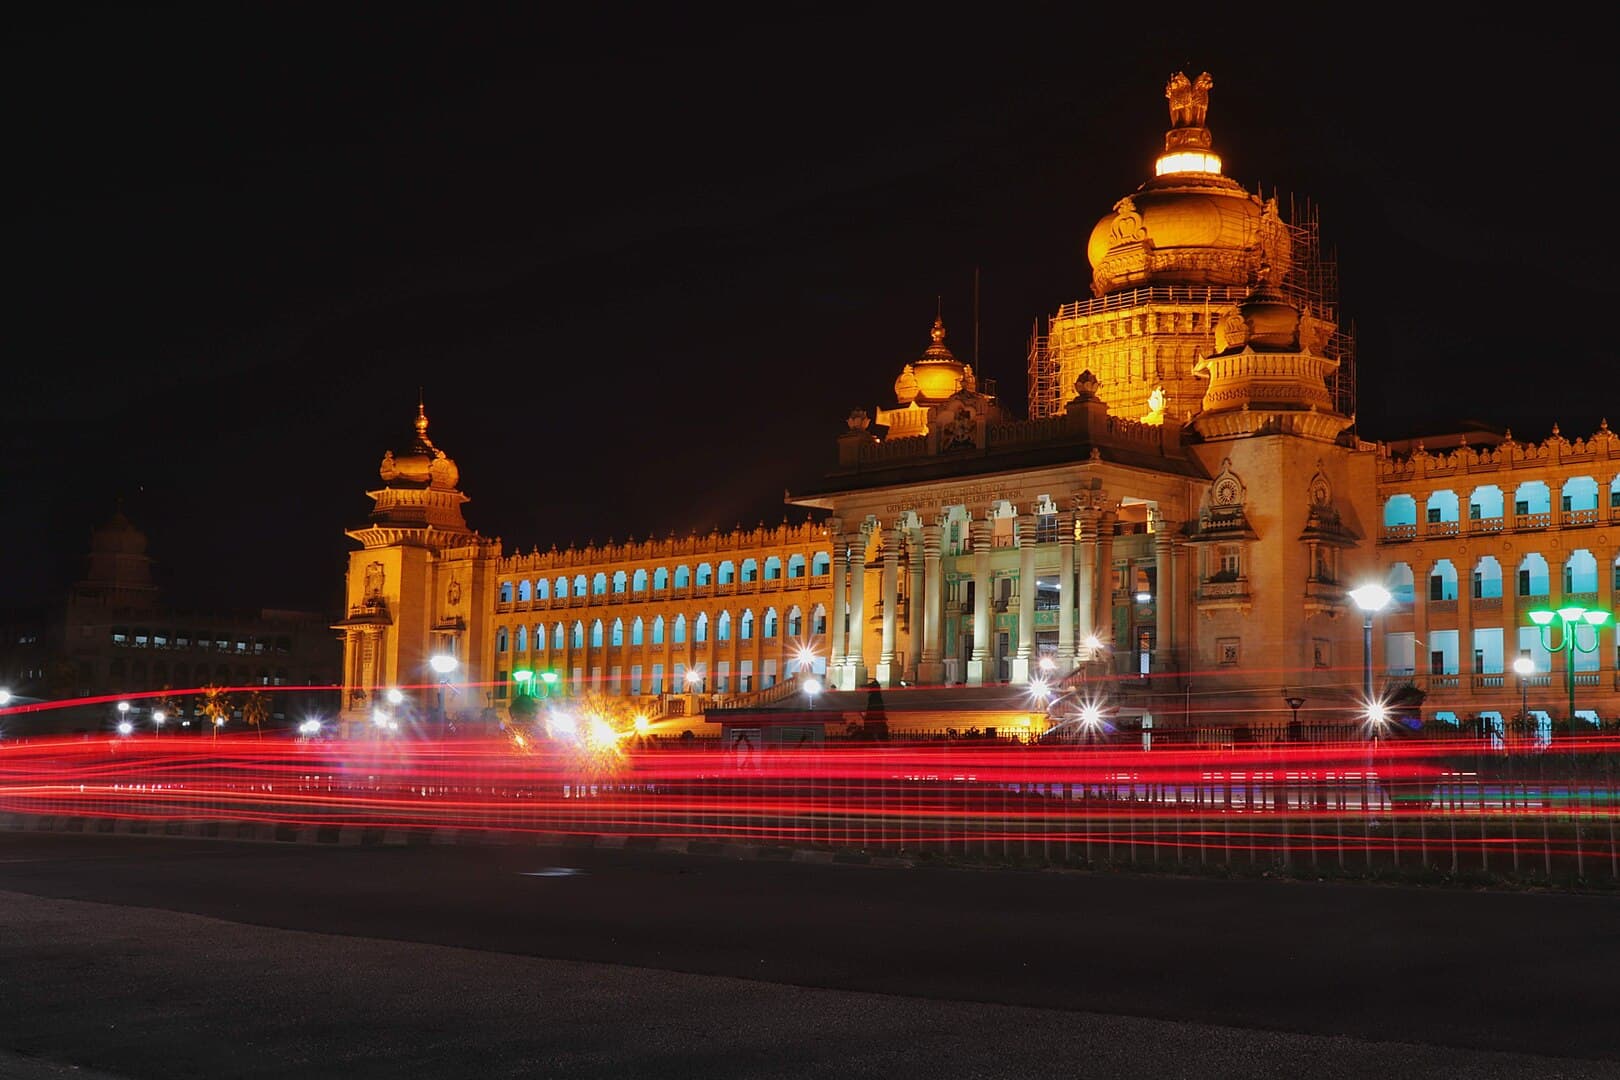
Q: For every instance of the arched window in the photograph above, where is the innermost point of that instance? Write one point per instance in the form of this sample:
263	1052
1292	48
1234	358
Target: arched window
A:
658	631
722	629
561	591
660	579
1579	493
621	581
1533	576
683	576
821	564
638	581
795	566
579	635
1400	584
1580	573
1532	497
678	631
635	631
542	589
700	627
705	574
1485	503
580	586
596	634
728	572
750	570
599	584
501	641
746	630
795	622
818	619
770	622
1487	579
1442	506
506	592
522	639
618	632
1443	581
557	638
1400	510
525	591
773	568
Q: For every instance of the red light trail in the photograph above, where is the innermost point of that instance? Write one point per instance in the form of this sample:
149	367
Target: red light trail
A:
1446	803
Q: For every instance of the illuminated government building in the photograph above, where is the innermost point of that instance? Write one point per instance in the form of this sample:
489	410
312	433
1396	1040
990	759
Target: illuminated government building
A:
1176	523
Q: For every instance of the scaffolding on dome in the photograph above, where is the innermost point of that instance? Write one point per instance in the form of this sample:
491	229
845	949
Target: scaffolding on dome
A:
1311	283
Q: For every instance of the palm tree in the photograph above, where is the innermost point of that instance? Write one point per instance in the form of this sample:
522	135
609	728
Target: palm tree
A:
216	707
256	710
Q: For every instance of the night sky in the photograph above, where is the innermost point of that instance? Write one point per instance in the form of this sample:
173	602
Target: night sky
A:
642	267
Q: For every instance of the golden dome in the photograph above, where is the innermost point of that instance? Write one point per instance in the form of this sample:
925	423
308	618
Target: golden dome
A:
935	375
1273	322
1189	225
425	466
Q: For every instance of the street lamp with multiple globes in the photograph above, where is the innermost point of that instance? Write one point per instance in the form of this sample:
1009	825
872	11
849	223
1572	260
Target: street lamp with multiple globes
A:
123	716
444	664
1571	618
1524	667
1371	599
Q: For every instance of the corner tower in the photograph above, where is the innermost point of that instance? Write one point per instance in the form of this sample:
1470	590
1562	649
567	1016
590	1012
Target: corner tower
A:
422	584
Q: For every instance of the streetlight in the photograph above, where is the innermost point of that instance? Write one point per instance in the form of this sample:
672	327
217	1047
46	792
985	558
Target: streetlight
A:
693	678
395	695
5	696
158	716
1371	599
1294	703
125	727
443	664
1571	617
1524	667
812	687
123	714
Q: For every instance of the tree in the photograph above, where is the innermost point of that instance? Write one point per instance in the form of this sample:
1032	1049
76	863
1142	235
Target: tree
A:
256	710
216	707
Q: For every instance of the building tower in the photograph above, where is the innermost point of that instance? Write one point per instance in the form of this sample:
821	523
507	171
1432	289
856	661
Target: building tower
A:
421	585
1169	262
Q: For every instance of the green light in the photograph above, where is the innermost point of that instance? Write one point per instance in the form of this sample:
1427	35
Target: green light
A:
522	675
548	676
1596	617
1572	613
1541	617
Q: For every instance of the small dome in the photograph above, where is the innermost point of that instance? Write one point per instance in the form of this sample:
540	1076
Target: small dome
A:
118	537
425	466
935	375
1273	322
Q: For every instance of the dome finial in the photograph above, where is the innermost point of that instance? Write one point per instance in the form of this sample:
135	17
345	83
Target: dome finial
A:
421	413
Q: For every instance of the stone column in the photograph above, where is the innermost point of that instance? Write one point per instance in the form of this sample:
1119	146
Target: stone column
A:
981	531
1068	596
916	605
887	676
1087	589
1606	635
930	671
1164	602
840	604
1024	659
1105	578
854	673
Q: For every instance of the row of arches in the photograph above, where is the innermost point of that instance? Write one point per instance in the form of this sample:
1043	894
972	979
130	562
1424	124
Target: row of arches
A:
1532	577
726	572
1488	501
723	627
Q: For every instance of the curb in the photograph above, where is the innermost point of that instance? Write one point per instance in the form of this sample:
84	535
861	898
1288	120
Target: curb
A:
308	835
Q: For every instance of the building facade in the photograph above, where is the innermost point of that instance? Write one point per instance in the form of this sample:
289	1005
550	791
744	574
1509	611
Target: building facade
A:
1179	517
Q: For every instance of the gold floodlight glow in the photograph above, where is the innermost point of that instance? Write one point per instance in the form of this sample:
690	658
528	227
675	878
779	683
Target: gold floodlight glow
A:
1188	161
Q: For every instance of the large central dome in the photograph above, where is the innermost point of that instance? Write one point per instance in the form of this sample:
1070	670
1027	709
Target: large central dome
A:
1189	225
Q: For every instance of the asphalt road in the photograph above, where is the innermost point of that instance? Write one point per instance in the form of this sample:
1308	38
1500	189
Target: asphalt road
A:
170	958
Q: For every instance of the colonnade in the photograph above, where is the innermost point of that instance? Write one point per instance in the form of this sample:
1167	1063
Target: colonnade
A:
1080	555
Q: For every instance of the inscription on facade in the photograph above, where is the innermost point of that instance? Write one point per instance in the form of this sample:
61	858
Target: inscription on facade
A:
966	496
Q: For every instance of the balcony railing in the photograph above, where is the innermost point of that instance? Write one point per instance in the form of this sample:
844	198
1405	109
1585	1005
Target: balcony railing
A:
1400	532
1580	517
1532	521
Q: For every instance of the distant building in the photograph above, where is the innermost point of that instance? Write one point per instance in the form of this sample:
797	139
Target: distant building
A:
1174	527
113	636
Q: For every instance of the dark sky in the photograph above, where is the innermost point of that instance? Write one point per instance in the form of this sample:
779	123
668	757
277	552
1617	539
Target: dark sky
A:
644	265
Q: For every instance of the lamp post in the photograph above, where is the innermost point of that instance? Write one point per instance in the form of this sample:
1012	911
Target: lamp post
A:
1293	725
1371	599
123	716
443	664
1524	667
158	716
1571	618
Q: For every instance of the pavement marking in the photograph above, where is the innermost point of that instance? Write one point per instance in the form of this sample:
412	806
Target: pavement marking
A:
554	871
